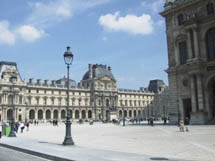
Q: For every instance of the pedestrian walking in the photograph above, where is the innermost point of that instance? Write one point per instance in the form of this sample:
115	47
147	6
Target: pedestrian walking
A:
181	125
0	129
27	125
22	126
164	120
186	123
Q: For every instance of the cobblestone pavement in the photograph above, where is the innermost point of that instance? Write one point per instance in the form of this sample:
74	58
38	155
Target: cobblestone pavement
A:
12	155
159	141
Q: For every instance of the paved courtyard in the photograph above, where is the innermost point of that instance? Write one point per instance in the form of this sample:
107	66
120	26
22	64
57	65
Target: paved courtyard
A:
159	141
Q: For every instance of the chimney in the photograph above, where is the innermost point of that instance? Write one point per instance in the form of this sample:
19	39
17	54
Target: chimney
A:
90	71
31	81
46	82
110	69
38	81
53	82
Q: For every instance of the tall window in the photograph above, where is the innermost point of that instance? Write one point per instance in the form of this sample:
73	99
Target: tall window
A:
192	43
210	8
180	19
10	99
210	43
183	52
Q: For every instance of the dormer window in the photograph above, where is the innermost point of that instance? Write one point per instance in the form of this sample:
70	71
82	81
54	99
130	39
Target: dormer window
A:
210	8
180	19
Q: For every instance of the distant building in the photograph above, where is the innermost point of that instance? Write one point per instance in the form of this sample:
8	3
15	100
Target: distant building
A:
190	32
95	97
160	106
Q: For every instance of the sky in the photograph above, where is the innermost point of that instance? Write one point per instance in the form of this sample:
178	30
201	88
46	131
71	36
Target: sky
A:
128	35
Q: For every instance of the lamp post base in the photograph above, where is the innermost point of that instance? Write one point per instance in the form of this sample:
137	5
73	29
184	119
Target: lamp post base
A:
68	141
68	138
12	134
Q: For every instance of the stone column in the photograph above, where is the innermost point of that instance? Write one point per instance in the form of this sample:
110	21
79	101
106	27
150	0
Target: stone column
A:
52	114
193	98
196	44
36	115
189	46
200	92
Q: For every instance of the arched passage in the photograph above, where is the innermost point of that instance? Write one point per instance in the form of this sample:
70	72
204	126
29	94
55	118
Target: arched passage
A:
40	114
63	114
48	114
55	114
89	114
120	113
76	114
125	113
130	113
83	113
210	44
31	114
211	87
9	114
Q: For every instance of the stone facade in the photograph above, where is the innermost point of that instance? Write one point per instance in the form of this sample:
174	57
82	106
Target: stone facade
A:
190	31
96	97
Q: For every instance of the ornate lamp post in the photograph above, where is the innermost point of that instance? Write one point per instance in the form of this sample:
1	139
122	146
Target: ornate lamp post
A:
68	58
13	80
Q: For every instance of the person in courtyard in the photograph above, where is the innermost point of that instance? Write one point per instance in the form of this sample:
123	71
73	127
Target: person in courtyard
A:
164	120
186	123
22	126
16	127
27	125
181	125
0	129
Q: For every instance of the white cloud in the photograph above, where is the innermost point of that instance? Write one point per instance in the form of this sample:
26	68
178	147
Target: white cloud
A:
6	36
155	6
29	33
48	13
130	23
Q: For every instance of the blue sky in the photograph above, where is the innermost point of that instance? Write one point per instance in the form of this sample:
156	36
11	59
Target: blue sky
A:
128	35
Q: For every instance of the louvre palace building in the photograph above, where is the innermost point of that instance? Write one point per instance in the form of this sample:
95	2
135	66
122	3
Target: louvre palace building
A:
190	31
96	97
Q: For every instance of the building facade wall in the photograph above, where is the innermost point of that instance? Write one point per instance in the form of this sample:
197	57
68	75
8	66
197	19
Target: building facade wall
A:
191	70
47	101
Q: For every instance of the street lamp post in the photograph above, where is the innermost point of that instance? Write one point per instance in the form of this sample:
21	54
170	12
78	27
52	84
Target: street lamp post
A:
68	58
13	80
123	115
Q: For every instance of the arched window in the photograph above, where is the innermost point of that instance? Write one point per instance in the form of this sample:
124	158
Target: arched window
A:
180	19
10	99
183	55
210	44
210	8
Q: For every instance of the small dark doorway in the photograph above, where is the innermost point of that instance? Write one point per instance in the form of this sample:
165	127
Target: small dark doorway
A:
20	117
213	99
187	108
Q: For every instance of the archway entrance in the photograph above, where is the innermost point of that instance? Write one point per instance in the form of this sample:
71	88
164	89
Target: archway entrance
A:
211	87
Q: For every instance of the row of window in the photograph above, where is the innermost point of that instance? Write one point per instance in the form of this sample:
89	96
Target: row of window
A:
209	8
133	103
136	96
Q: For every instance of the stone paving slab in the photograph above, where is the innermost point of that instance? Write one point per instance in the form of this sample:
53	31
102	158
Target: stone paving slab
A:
60	152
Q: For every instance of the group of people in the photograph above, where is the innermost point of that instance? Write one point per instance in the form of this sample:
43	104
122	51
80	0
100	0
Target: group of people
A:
54	122
22	126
